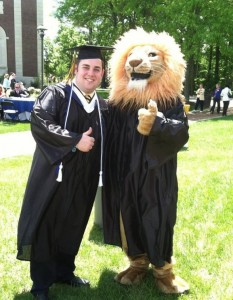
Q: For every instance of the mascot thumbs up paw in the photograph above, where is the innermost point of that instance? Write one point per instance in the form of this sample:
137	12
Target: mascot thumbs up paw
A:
147	117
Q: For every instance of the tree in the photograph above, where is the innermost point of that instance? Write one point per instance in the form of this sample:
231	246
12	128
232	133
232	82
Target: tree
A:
58	57
202	28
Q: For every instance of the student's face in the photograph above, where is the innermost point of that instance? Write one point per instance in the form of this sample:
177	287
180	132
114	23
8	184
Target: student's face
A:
88	74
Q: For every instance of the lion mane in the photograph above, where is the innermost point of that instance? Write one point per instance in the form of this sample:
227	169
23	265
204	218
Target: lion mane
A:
164	87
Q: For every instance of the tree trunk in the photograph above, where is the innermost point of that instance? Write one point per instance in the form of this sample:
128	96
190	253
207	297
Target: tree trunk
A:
217	58
189	78
210	63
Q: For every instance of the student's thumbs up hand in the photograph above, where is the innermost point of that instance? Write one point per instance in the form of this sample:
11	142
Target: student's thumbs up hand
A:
87	142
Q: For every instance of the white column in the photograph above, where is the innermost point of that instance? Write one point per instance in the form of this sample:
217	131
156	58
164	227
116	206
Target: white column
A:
18	39
3	51
40	20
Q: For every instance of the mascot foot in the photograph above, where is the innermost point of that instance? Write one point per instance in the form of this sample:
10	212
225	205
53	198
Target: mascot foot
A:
135	273
167	282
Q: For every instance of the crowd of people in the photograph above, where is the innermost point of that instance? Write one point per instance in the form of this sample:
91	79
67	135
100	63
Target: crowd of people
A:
218	95
10	87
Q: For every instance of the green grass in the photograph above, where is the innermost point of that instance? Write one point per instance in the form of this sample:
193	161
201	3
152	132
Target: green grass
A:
104	93
11	126
203	241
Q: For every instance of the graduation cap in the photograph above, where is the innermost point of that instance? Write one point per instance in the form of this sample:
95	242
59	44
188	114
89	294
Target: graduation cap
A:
90	51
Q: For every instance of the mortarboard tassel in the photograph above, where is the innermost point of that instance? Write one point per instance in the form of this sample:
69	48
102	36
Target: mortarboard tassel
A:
59	176
70	75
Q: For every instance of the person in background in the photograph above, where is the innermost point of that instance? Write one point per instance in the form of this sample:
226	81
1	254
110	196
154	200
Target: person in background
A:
67	124
2	91
6	82
226	95
200	98
2	94
216	98
12	80
18	92
23	88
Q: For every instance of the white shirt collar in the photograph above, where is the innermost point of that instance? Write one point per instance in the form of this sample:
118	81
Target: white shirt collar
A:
89	107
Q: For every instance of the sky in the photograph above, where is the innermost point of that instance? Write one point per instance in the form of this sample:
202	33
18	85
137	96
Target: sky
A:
50	23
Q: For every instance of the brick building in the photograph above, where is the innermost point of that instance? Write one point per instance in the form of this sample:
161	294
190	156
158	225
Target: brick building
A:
20	48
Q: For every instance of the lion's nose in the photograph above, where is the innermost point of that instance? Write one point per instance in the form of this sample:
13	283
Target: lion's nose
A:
135	62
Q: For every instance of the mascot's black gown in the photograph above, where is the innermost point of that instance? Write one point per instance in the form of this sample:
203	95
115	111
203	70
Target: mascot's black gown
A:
141	182
58	212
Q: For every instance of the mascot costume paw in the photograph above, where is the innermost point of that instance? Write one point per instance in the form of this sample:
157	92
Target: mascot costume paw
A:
146	117
148	126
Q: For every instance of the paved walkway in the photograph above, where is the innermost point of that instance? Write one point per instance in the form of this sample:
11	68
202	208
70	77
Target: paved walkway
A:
17	143
206	115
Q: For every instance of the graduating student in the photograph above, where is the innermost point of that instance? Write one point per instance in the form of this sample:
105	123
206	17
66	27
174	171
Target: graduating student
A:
64	176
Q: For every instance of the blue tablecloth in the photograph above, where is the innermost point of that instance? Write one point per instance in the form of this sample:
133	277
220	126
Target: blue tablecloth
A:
23	105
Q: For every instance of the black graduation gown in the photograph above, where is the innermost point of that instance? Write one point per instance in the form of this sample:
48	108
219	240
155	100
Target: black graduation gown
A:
54	214
141	182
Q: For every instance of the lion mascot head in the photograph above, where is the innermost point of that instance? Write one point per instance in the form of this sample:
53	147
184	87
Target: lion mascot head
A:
146	66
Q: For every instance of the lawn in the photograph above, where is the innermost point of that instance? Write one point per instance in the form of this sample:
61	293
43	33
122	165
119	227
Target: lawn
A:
11	126
203	234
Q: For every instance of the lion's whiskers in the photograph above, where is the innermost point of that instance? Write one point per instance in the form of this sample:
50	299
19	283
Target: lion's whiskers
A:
158	69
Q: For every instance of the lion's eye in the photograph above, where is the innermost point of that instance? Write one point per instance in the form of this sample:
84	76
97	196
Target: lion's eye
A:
152	54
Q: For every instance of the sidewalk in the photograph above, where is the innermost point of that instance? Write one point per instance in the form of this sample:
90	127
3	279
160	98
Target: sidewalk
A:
206	115
16	143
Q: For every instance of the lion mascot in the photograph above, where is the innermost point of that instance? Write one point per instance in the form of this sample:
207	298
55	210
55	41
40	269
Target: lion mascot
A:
148	127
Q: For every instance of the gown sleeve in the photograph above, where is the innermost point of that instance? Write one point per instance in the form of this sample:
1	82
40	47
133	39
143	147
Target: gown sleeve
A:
48	115
168	135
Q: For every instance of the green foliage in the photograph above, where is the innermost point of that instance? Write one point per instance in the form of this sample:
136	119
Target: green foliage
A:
57	56
202	28
35	83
